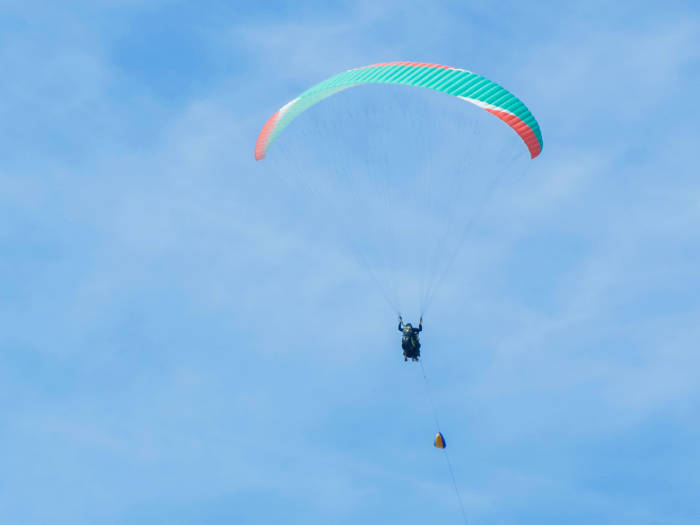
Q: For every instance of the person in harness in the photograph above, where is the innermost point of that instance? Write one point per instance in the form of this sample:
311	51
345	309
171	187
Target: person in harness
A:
410	342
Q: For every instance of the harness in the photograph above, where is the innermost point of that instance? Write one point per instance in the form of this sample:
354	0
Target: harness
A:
410	337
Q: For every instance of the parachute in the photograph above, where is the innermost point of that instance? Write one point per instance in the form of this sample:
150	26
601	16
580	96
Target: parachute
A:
454	81
404	205
388	168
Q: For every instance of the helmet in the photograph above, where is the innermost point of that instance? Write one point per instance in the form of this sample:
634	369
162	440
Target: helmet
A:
407	326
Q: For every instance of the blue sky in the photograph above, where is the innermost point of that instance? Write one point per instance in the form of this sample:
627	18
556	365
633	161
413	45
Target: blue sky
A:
185	339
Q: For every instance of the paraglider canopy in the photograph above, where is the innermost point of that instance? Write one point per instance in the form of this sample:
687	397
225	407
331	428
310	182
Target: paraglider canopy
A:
457	82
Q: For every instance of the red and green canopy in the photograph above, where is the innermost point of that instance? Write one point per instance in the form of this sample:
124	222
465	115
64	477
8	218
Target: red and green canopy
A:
453	81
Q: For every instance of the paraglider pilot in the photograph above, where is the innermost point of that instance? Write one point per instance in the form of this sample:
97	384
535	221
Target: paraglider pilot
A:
410	342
